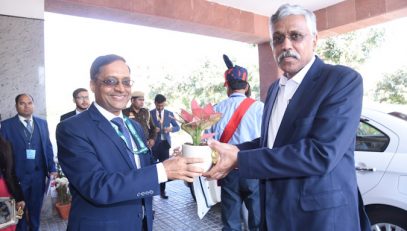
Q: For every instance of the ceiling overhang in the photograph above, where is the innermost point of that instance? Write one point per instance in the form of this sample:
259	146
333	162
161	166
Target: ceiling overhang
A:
212	19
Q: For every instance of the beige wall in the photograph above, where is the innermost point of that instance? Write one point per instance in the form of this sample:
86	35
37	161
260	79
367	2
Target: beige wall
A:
21	54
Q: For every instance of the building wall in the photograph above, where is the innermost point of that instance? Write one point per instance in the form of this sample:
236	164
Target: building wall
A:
21	55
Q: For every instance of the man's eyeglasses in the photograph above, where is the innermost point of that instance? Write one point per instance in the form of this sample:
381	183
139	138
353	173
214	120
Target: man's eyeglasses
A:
279	38
111	82
82	97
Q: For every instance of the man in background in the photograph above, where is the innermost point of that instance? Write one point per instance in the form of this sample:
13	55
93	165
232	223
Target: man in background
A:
165	123
240	122
33	155
81	100
140	114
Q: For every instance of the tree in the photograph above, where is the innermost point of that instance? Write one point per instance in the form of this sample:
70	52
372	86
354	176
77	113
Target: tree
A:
205	84
392	88
351	49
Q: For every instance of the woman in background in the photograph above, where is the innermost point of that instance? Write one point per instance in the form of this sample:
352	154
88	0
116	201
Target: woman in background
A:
9	185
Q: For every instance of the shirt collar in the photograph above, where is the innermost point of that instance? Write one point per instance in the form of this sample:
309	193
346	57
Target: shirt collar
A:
299	76
22	119
237	94
108	115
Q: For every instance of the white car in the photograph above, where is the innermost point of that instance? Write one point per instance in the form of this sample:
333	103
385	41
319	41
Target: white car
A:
381	165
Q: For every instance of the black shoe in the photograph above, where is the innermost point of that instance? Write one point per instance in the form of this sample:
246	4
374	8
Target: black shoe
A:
163	195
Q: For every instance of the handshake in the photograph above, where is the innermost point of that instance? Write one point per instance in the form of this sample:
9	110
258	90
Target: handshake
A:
214	161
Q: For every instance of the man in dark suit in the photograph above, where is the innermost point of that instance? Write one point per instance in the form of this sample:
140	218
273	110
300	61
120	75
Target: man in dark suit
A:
305	155
165	123
81	100
105	157
33	155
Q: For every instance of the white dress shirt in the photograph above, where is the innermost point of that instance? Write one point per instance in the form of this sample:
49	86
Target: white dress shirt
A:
287	88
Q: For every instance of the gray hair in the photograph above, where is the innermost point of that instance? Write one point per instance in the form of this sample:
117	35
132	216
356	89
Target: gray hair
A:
287	10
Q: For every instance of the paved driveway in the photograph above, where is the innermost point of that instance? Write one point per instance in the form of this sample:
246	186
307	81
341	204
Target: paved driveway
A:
178	213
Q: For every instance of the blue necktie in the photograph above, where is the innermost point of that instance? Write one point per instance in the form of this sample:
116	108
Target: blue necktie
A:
123	129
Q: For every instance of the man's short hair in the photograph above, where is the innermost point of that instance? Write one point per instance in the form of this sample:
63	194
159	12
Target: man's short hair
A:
237	84
159	98
287	9
103	61
77	91
20	95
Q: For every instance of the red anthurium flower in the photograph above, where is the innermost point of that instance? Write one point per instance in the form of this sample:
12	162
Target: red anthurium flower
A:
200	119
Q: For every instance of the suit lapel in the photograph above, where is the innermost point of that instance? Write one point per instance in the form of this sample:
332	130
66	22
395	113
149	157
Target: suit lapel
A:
154	115
21	128
294	108
268	107
106	128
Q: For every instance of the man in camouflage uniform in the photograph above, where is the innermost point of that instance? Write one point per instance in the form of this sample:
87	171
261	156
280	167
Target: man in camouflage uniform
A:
140	114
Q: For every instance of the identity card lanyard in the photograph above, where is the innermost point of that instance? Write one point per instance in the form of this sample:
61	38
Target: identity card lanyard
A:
139	143
30	153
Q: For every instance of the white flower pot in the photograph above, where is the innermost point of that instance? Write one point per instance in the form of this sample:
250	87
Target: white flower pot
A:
204	152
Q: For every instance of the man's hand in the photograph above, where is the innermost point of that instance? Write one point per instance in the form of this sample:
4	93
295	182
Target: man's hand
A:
150	143
227	159
182	168
53	175
167	129
20	204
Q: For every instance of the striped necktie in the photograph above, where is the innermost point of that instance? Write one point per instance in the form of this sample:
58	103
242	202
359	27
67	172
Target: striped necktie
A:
29	127
123	129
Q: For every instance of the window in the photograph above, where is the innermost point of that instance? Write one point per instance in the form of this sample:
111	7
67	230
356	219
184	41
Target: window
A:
370	139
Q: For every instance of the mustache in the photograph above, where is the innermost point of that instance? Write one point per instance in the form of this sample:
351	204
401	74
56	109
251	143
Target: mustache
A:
288	53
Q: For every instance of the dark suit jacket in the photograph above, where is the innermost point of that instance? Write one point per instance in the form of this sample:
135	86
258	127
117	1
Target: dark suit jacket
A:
308	179
108	192
8	171
67	115
169	120
10	129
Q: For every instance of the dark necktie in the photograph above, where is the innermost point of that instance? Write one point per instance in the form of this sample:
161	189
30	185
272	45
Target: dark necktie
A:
123	129
29	127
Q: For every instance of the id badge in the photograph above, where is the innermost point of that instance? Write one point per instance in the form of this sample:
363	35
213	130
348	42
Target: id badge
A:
30	154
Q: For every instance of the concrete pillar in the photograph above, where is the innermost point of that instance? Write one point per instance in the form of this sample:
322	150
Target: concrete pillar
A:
22	54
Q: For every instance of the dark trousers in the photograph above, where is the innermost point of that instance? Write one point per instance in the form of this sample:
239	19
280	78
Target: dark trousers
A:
161	151
234	192
33	187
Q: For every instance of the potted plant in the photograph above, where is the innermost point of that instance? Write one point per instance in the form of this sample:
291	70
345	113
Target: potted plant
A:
63	203
195	123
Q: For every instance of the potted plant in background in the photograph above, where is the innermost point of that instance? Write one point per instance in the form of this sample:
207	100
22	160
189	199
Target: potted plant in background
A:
63	203
195	123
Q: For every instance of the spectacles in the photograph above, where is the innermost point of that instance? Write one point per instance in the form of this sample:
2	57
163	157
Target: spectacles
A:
111	82
82	97
279	38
